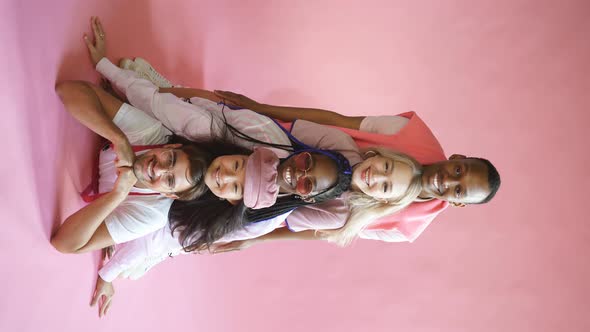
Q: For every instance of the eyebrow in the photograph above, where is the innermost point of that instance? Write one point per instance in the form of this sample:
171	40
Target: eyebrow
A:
188	177
467	169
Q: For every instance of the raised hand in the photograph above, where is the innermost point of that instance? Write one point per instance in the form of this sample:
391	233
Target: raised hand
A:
96	49
103	295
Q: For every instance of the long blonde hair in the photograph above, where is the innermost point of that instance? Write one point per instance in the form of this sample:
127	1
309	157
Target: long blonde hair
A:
366	209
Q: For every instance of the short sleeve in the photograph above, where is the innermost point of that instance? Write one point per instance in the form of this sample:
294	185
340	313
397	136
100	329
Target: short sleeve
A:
384	124
412	220
328	215
414	138
326	138
385	235
139	127
138	216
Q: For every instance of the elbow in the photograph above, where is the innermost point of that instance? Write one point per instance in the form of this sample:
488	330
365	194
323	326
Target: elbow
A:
61	88
67	88
59	246
62	246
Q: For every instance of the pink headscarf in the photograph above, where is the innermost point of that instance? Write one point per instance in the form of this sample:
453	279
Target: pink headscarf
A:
260	187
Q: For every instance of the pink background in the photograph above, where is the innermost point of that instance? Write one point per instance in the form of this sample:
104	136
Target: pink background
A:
507	80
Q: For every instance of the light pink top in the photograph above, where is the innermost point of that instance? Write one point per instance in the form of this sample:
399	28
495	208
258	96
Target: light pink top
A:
417	140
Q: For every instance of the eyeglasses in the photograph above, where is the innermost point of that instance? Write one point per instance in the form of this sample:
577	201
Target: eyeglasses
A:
303	162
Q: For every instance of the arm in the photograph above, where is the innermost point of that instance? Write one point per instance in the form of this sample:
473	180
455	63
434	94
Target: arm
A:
282	233
289	114
190	93
84	230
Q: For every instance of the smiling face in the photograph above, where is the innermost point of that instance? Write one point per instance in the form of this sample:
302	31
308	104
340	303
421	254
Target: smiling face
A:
459	180
165	170
307	174
226	175
382	178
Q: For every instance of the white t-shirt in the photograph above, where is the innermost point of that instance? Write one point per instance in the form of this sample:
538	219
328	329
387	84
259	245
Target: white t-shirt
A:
137	215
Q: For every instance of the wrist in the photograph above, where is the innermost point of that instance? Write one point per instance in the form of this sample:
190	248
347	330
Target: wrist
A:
121	191
119	139
98	61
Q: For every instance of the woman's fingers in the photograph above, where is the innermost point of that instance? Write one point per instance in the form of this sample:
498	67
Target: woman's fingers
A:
88	43
95	29
104	306
95	298
99	27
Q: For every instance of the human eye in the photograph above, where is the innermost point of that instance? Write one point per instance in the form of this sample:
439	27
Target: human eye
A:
236	166
458	191
170	181
458	170
385	187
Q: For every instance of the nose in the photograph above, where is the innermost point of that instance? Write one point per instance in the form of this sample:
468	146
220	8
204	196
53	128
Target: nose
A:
226	175
159	170
449	181
379	177
299	173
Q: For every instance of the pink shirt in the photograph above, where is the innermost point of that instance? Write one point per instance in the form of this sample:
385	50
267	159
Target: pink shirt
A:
417	140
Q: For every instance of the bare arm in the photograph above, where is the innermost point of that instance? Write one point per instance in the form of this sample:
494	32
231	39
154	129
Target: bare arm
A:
77	231
190	92
278	234
85	230
289	114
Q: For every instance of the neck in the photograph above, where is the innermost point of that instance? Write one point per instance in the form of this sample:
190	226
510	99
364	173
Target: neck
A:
353	186
424	195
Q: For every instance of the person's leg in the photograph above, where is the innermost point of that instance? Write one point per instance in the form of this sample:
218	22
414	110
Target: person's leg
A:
83	98
145	70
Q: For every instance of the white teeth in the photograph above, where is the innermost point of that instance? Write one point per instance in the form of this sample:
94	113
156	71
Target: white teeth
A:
436	182
149	170
288	175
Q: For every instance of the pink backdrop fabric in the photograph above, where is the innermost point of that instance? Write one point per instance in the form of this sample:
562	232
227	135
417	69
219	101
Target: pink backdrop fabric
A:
507	80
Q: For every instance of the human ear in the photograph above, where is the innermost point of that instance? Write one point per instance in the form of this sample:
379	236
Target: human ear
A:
457	156
369	154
